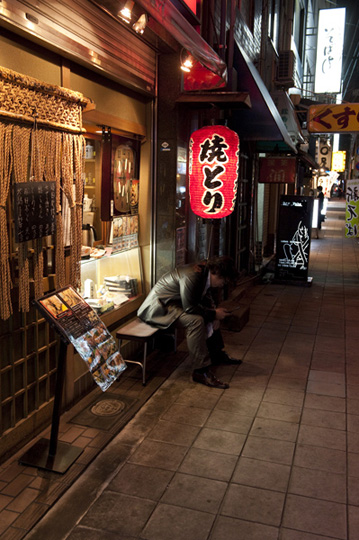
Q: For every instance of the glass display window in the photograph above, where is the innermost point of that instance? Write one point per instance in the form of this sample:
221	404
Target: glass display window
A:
111	280
92	232
111	270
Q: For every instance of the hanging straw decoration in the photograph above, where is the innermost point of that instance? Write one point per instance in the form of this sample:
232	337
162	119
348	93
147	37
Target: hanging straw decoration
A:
21	149
42	140
79	143
37	166
52	173
67	170
5	172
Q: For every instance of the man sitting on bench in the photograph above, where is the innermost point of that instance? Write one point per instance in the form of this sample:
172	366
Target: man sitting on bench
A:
183	297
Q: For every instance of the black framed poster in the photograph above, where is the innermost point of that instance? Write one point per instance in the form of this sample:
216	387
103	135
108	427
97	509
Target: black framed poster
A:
293	238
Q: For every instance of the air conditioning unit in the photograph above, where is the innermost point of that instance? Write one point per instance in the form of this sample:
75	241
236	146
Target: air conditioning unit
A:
285	69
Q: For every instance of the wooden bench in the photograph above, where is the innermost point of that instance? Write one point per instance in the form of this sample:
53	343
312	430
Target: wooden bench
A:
137	330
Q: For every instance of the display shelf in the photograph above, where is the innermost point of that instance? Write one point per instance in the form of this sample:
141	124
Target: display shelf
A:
127	264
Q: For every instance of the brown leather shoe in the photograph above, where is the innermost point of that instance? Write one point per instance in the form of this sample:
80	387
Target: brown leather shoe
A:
208	379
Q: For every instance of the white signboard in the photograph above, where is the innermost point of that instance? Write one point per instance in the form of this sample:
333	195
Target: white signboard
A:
324	157
330	41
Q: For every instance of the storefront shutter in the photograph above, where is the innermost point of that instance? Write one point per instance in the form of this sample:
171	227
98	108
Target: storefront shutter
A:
84	33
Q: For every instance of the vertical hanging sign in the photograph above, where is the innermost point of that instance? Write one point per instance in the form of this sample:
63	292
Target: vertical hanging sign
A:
352	209
213	171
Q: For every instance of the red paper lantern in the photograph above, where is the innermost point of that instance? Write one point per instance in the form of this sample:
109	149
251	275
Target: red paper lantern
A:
213	171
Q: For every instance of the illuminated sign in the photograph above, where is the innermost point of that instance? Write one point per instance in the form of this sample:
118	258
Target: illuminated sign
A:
333	118
338	161
330	41
213	171
280	170
191	4
352	208
293	237
325	154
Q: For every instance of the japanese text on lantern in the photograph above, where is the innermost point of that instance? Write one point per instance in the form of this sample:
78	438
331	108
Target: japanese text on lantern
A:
213	171
352	209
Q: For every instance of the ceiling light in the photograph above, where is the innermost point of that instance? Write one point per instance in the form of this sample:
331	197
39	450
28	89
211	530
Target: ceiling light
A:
126	12
141	23
186	61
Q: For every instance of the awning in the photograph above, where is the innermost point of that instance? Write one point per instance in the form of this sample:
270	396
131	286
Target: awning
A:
262	122
288	114
186	35
308	159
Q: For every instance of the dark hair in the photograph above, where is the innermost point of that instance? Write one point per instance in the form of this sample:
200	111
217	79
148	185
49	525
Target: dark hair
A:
223	267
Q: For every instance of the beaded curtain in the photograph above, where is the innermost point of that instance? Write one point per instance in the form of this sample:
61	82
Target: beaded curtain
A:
40	140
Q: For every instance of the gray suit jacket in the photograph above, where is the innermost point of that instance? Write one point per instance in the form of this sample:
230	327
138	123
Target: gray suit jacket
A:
183	287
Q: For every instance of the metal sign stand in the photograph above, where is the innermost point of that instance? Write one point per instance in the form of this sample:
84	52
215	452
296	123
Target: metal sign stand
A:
53	455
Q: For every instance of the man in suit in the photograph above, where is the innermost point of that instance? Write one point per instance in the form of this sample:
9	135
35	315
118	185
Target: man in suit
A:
184	297
320	197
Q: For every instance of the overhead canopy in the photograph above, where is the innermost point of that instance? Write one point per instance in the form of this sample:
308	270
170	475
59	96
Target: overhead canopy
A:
308	159
262	122
186	35
288	114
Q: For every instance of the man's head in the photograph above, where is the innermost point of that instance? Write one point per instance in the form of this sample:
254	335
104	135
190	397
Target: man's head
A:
222	271
320	188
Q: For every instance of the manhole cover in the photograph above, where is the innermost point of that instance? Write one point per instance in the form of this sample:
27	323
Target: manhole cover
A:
107	407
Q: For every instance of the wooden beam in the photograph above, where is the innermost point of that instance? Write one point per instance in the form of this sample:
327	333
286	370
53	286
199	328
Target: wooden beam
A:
226	99
103	119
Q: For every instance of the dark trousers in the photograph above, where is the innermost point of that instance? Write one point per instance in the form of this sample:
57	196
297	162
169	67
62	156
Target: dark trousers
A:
215	344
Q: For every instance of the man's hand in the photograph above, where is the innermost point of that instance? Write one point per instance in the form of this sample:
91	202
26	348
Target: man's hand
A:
222	313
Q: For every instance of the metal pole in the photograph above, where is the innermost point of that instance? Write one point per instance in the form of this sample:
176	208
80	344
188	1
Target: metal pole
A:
57	399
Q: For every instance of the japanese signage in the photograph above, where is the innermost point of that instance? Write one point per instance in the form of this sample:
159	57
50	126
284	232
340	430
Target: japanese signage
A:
213	171
352	208
281	170
325	154
330	41
78	323
293	243
338	163
34	210
333	118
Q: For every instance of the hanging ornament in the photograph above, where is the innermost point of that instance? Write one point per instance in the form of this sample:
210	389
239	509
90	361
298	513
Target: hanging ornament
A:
213	171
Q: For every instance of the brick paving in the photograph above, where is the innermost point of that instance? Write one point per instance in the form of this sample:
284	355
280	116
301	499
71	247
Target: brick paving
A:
274	457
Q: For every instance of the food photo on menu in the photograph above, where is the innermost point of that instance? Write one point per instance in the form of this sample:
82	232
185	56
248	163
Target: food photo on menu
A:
75	320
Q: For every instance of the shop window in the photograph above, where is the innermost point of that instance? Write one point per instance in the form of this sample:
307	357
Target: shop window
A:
92	226
111	272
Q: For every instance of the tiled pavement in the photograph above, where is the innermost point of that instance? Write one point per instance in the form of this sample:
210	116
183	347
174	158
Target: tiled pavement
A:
274	457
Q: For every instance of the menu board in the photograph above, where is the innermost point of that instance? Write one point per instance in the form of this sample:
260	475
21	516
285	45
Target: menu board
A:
78	323
34	210
125	233
293	240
